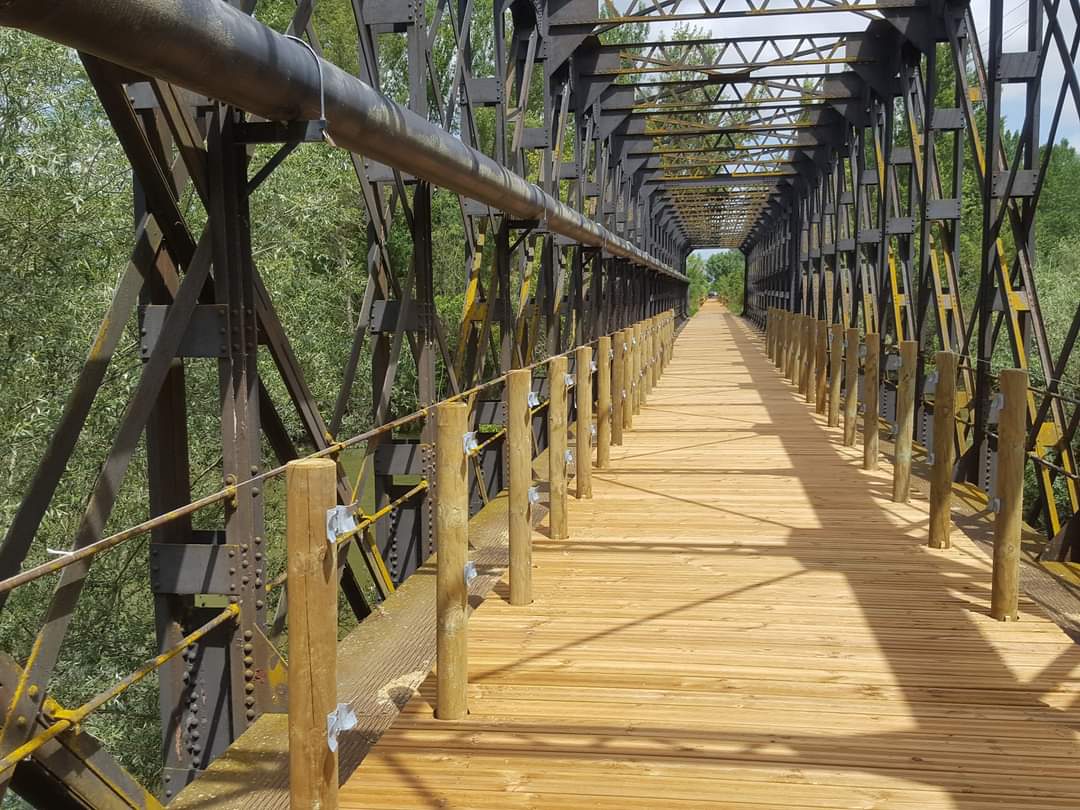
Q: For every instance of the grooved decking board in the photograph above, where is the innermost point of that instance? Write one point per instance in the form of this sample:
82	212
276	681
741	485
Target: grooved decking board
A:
742	619
380	664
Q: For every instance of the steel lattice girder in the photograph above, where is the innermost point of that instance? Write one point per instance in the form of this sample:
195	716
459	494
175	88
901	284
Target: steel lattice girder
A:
756	143
871	235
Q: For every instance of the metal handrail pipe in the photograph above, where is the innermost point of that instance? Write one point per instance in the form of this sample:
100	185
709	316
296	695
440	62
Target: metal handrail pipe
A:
213	48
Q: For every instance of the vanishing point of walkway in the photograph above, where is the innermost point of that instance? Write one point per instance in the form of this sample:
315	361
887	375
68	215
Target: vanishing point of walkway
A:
743	619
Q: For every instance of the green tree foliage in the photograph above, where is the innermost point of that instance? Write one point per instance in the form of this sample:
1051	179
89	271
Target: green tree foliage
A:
66	225
721	274
726	272
699	281
724	263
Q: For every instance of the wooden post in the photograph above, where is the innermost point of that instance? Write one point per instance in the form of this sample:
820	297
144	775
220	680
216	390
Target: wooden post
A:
618	387
782	340
635	351
1012	440
583	431
628	378
836	373
871	394
519	448
647	348
557	448
643	346
452	542
851	383
770	333
789	349
800	358
646	359
793	346
822	366
603	403
653	353
643	359
781	358
312	599
905	419
665	342
941	472
792	360
800	368
661	345
806	380
778	334
669	337
654	348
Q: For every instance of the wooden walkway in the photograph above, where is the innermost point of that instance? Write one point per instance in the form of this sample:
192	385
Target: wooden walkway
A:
743	619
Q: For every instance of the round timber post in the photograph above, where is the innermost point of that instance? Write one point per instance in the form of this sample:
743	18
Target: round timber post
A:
618	387
871	401
519	447
312	587
583	428
557	461
628	378
1008	522
851	385
452	538
905	419
941	473
836	373
821	367
603	402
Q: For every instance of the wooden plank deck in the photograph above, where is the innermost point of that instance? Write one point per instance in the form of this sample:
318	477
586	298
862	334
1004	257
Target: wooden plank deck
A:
743	619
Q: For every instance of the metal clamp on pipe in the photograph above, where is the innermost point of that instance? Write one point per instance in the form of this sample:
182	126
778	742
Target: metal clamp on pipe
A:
324	130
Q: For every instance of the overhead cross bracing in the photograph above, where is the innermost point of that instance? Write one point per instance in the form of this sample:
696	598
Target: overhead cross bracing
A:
735	117
636	11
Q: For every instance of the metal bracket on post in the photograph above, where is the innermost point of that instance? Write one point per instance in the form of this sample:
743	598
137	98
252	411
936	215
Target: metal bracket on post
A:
342	718
340	521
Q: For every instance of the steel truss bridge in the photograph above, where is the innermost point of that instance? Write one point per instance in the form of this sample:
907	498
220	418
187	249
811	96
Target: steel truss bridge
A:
827	158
